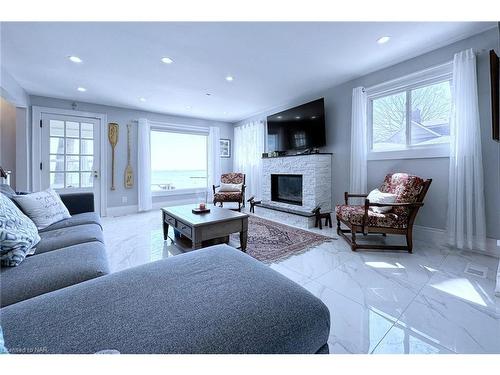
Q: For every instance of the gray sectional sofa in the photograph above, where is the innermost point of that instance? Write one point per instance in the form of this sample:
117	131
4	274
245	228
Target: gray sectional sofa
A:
214	300
70	251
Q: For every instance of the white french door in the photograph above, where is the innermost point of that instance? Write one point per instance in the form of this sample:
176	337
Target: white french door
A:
70	154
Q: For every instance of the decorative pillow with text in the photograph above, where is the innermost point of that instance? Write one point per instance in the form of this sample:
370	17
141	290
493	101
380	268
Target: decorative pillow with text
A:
44	207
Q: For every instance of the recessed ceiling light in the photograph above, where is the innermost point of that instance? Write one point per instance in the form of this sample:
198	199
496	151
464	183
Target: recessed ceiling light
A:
167	60
142	99
208	94
81	89
383	40
279	117
75	59
229	78
312	118
189	107
297	117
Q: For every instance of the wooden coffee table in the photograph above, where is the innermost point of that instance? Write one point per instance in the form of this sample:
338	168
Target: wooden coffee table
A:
217	223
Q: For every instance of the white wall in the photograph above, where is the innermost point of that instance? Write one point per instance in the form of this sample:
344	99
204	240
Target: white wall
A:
338	119
124	116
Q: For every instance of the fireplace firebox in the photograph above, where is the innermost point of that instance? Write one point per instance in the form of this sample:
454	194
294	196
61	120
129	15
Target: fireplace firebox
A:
286	188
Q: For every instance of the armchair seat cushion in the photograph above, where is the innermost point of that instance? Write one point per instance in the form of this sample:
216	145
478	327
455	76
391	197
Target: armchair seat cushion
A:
233	196
354	216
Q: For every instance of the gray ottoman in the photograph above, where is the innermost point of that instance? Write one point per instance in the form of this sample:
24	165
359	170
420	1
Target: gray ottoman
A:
215	300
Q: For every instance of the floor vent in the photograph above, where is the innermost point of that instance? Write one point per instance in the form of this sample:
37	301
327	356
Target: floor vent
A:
475	270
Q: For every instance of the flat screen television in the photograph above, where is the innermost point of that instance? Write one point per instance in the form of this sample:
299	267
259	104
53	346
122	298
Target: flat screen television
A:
297	128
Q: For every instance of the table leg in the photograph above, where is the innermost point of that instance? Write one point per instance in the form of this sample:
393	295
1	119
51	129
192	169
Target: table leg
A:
196	245
165	229
243	240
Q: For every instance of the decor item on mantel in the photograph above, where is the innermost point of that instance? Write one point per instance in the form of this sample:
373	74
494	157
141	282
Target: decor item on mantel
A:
270	241
129	174
113	140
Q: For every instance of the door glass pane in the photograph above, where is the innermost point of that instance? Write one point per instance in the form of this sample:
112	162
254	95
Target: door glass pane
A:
389	122
87	163
56	163
56	128
87	130
430	114
72	146
87	147
72	180
56	145
86	179
72	129
57	180
72	163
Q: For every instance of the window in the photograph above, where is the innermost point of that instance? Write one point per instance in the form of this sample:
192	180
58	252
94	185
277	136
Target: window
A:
415	116
178	161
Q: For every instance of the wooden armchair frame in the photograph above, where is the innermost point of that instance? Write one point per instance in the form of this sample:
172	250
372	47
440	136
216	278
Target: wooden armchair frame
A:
365	229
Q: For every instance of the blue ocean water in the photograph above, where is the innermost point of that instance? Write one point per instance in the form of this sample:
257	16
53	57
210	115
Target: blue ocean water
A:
173	180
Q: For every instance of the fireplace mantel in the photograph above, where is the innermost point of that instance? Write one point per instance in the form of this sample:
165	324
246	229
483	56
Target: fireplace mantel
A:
316	170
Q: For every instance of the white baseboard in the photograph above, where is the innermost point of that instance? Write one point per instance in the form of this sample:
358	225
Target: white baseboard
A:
121	210
132	209
438	237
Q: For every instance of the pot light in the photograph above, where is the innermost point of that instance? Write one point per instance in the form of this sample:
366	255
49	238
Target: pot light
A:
81	89
297	117
208	94
229	78
75	59
312	118
142	99
279	117
383	40
167	60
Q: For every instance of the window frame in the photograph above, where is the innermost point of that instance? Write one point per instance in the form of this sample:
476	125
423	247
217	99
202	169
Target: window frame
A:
406	84
181	129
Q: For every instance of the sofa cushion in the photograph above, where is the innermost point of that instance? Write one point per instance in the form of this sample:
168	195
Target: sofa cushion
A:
64	237
78	219
406	187
354	215
214	300
53	270
227	197
18	234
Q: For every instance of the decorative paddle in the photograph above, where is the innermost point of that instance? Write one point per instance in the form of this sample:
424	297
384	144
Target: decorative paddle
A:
113	140
129	175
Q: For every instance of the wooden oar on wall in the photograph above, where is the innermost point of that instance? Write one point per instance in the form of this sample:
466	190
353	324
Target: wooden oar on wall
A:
129	175
113	140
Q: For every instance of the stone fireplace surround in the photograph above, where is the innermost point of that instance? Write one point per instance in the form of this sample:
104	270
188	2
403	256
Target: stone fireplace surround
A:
316	171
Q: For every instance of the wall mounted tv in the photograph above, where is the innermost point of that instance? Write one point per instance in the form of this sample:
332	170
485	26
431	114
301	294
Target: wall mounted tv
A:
297	128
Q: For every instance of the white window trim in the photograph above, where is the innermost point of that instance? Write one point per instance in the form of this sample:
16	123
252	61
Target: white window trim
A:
412	81
183	129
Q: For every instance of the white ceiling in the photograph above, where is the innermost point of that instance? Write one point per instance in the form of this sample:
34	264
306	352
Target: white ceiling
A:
272	63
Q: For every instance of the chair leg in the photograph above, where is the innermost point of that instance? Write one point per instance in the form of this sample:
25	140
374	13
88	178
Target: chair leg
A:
338	226
329	220
409	240
239	206
353	240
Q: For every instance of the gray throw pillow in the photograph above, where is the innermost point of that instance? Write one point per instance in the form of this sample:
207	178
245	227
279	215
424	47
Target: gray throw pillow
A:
18	234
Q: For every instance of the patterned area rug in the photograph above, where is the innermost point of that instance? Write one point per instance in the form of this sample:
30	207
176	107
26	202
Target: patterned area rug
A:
269	241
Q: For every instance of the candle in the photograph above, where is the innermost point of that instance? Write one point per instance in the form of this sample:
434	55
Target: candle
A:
202	205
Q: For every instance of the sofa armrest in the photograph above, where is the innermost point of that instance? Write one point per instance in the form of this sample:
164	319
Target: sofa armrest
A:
78	203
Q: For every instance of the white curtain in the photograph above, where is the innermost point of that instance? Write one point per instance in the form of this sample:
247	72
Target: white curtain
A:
359	146
213	160
144	165
466	224
248	149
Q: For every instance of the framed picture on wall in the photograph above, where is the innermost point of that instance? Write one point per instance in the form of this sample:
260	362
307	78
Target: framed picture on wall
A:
225	148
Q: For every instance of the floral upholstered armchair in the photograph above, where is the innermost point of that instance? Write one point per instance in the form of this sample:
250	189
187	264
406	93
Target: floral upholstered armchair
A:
395	218
231	189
